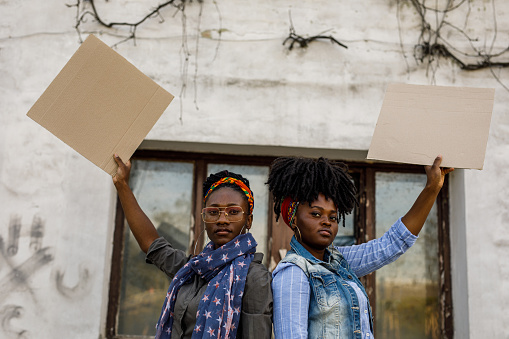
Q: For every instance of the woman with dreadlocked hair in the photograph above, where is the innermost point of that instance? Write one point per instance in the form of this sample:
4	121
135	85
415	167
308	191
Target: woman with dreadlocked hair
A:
317	293
224	291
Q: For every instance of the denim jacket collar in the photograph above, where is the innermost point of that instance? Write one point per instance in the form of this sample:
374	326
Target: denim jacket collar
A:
297	247
300	250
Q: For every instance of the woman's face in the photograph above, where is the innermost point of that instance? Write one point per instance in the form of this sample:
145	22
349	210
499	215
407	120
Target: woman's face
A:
317	223
222	231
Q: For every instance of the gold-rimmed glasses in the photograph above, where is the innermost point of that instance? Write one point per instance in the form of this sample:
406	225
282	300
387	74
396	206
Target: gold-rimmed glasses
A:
231	213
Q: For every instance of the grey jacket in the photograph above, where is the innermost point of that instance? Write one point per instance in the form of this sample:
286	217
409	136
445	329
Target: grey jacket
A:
256	315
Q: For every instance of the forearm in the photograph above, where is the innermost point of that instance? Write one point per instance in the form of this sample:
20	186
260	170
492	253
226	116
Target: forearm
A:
142	228
414	219
374	254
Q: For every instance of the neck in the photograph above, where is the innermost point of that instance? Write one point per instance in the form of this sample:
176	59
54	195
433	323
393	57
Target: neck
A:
318	253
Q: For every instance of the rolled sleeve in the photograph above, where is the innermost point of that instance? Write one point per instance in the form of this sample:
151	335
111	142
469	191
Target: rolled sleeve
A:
165	257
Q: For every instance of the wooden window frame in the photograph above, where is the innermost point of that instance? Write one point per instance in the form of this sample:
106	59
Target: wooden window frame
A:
278	236
200	161
367	205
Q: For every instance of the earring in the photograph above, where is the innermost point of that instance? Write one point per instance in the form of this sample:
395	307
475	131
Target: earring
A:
196	244
296	228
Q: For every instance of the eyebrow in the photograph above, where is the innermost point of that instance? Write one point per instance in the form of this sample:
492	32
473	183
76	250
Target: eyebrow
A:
227	205
323	209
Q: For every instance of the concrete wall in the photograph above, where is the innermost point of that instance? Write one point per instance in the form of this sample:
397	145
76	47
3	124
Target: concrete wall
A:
244	89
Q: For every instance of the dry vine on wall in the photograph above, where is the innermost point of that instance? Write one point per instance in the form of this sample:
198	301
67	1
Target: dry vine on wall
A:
87	10
304	42
438	29
439	37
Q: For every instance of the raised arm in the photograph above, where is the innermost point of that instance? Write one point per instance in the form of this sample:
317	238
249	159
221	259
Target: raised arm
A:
143	230
416	216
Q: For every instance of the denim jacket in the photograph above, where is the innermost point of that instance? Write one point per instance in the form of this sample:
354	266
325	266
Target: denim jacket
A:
334	310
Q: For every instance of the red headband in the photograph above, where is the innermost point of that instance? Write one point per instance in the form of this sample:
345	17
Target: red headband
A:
288	209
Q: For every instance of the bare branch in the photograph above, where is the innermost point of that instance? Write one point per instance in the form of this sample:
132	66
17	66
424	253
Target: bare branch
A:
431	44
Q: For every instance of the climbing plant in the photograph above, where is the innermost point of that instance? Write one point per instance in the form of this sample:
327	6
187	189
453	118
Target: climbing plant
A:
87	10
445	31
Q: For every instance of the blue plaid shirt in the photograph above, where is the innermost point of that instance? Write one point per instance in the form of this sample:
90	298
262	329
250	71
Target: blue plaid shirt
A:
291	288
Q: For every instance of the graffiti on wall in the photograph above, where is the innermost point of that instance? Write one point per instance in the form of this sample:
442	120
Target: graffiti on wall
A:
19	266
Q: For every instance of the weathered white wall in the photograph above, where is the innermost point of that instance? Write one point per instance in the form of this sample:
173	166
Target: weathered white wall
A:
250	90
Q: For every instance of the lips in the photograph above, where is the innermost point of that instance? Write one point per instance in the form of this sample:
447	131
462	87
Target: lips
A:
325	231
222	231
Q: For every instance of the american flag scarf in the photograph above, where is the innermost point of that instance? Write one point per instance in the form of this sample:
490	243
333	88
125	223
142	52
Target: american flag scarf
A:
225	269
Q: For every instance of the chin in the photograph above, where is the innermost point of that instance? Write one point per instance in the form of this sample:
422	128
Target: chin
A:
221	241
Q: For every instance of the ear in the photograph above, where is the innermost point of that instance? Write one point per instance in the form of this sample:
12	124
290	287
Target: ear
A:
249	221
295	220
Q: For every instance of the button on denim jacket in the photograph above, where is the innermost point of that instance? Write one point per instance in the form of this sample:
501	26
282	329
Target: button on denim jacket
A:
334	307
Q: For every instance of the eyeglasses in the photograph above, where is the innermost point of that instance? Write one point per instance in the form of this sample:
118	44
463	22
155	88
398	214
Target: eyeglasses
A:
231	213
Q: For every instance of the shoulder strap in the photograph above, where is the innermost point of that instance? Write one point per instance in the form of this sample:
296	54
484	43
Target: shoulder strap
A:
258	257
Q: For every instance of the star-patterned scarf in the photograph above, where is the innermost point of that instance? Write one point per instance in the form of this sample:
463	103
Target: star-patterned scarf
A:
225	269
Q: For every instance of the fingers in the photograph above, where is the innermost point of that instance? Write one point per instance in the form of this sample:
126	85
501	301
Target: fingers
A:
447	170
438	161
118	160
123	169
436	166
120	163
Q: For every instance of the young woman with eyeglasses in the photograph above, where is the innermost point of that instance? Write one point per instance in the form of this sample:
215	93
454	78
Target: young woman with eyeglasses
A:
317	293
224	291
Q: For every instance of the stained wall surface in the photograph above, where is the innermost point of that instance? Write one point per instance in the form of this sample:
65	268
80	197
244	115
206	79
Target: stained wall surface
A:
235	84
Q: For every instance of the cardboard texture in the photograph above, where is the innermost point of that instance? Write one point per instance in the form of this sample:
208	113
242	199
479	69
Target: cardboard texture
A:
100	104
417	123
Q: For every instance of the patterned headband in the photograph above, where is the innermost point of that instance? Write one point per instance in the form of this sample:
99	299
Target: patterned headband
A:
243	187
288	209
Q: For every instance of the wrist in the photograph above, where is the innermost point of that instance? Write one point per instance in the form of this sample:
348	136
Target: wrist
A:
433	188
121	185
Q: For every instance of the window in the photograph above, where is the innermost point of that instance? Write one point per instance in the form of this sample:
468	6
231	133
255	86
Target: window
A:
168	187
411	298
163	189
407	291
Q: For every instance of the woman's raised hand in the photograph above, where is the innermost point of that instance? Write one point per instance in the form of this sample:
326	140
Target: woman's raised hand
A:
143	230
414	219
123	170
436	174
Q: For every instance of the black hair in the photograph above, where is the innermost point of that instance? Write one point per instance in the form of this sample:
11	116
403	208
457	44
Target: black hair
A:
213	178
303	179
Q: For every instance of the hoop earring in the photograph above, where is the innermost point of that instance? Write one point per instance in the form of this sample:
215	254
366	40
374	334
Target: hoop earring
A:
296	228
196	244
242	230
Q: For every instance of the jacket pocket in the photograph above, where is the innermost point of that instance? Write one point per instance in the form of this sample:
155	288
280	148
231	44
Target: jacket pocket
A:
325	289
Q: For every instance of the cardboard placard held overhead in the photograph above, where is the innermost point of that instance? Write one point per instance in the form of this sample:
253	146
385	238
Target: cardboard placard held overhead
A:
100	104
418	122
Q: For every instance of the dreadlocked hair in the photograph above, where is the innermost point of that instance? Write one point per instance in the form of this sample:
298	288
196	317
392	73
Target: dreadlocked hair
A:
213	178
303	179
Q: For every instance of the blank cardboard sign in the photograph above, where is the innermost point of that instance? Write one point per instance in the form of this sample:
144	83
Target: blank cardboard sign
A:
417	123
100	104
